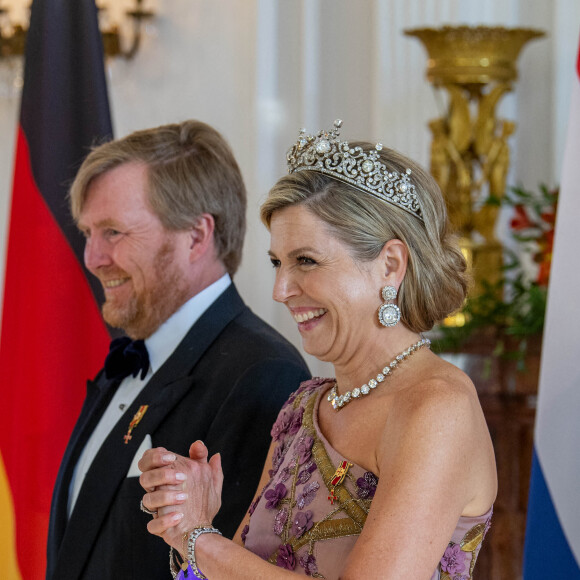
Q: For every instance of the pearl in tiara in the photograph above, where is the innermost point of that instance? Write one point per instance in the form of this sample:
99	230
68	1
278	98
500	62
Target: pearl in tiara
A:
326	153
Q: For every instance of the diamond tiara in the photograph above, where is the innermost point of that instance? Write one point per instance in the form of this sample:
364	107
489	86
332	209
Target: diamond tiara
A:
326	153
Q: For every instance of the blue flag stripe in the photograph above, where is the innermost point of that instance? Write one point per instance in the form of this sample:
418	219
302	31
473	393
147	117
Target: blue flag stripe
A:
547	553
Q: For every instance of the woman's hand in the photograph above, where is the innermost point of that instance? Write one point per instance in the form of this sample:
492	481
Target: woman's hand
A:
186	492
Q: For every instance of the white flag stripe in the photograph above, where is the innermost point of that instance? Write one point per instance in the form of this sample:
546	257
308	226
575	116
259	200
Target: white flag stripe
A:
557	430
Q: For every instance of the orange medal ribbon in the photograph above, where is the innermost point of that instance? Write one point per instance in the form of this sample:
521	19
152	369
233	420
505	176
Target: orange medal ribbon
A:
338	478
134	422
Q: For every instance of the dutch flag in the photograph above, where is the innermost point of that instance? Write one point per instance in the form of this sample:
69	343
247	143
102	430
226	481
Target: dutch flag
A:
552	548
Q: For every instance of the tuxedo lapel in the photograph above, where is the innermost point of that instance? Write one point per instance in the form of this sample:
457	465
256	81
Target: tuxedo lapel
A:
99	394
111	465
109	469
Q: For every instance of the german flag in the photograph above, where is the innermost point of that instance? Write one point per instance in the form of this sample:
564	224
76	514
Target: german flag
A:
53	337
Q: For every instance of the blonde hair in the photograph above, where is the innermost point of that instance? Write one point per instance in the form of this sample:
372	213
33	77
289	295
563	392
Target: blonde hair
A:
436	282
191	170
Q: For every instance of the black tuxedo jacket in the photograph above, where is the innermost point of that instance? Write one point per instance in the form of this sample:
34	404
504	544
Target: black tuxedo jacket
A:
224	384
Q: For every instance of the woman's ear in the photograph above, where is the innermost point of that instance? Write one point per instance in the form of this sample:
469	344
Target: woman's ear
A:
393	262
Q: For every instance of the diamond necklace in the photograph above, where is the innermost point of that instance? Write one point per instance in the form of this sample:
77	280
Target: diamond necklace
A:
338	401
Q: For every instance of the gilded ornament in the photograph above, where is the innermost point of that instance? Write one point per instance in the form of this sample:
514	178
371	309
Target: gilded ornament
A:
470	155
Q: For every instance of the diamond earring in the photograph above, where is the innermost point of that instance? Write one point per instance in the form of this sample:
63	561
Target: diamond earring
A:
389	314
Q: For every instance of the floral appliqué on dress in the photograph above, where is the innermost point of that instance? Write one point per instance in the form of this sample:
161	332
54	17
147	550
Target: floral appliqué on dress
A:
459	559
290	490
301	473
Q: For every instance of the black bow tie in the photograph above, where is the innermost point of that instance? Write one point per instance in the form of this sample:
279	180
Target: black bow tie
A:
126	357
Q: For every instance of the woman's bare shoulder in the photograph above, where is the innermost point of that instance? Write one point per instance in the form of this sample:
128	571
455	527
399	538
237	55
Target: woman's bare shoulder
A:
438	388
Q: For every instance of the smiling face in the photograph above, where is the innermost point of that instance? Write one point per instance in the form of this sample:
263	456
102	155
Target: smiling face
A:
332	297
143	267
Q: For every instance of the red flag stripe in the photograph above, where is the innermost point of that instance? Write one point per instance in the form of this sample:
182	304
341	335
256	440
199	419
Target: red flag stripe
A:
53	339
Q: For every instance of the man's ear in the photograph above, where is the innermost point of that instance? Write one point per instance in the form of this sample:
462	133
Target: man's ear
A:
392	263
201	236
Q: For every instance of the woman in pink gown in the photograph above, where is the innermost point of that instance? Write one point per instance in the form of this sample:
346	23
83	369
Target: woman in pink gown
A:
387	470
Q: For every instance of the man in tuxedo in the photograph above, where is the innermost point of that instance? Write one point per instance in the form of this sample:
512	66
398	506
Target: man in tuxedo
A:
163	214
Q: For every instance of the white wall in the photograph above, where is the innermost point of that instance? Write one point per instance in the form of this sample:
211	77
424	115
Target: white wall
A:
259	69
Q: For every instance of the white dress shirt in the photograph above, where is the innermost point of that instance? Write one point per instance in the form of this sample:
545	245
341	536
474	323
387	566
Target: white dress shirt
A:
160	345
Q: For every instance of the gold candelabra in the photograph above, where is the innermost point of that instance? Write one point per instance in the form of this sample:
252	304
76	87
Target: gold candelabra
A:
470	154
112	44
13	36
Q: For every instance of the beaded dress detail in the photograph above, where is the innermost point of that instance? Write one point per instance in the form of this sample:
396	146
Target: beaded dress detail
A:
303	523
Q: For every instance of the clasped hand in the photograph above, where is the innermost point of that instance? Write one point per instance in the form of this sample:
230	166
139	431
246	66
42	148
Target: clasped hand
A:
185	492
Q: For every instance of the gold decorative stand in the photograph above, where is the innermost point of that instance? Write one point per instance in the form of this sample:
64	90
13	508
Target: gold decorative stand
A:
469	151
470	160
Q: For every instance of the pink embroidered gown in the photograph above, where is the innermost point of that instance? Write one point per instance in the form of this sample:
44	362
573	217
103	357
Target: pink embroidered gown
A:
294	525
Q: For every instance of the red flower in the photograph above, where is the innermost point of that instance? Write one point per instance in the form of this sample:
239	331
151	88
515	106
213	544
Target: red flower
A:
544	257
544	273
520	221
549	217
549	236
